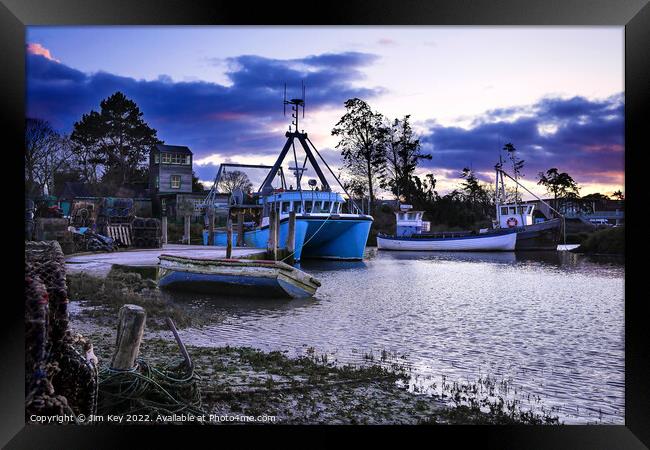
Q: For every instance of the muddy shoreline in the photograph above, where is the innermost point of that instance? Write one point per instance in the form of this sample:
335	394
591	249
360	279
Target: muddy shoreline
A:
302	389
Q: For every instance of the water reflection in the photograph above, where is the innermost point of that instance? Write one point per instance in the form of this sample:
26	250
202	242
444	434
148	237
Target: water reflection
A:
219	303
329	265
551	322
489	257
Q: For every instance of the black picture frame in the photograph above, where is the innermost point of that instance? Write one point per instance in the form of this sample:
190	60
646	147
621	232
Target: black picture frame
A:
634	15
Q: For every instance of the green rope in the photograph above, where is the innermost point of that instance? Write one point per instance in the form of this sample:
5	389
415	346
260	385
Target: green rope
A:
148	389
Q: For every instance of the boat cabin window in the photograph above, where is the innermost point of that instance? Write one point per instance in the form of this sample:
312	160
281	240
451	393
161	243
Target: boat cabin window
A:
308	206
337	208
400	216
504	210
297	206
327	206
285	207
410	216
512	210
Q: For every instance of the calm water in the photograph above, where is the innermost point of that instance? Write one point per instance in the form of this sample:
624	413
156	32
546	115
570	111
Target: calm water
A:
552	324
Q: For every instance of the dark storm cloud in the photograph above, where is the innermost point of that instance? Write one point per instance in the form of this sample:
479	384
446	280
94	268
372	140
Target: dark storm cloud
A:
207	117
581	136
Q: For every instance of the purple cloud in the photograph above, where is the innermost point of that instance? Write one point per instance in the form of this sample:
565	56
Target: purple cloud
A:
581	136
207	117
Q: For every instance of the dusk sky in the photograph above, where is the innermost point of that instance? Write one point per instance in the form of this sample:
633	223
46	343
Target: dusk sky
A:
556	93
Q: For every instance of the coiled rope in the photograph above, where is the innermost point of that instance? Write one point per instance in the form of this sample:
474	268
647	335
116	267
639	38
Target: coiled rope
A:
146	389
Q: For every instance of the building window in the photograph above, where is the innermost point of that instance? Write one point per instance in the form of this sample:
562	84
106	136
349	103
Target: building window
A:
156	158
176	158
175	181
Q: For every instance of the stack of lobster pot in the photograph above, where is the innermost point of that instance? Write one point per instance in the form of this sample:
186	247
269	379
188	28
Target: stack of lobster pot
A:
146	232
54	229
115	211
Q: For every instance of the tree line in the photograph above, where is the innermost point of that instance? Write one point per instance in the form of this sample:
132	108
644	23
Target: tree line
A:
109	148
379	153
106	149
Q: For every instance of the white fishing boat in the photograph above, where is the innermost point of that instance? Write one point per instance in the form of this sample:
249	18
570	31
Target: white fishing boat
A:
413	234
236	277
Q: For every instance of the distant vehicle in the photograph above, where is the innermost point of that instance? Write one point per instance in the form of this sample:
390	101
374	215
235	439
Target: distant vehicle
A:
600	222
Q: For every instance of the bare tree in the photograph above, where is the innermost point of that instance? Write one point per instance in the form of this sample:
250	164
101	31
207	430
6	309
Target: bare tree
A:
46	153
231	181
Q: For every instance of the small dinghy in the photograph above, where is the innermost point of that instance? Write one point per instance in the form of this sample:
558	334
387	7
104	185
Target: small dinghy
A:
238	277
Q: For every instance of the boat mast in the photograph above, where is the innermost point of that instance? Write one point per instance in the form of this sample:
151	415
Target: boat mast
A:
497	189
541	201
296	104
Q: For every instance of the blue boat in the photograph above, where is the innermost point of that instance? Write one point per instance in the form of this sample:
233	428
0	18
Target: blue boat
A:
321	231
235	277
326	227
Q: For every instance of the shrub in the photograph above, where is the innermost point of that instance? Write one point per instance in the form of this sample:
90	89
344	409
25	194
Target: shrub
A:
607	241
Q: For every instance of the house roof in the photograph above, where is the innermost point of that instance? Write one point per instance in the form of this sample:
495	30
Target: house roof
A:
174	149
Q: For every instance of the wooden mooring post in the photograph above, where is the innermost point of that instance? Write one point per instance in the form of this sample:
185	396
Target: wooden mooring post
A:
164	229
291	237
186	230
240	229
272	246
210	225
130	328
229	238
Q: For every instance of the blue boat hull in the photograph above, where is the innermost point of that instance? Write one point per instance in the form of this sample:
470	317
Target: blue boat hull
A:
315	237
229	285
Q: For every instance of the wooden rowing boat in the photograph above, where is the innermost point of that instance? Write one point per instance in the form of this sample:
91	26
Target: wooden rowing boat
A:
236	277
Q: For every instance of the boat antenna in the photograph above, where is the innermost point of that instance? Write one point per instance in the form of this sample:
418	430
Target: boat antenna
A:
303	98
284	102
296	104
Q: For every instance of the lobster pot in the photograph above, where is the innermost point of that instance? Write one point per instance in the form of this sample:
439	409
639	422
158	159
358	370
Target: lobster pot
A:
117	211
51	229
146	232
58	379
84	212
142	207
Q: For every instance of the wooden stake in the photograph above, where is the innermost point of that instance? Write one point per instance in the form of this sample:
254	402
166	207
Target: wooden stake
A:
291	235
181	346
229	237
130	329
164	229
271	246
211	226
240	229
276	239
186	230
